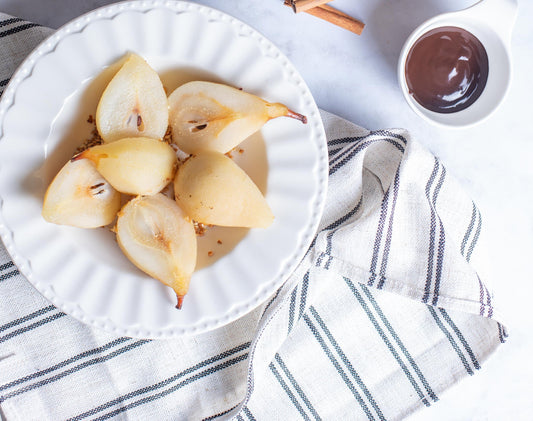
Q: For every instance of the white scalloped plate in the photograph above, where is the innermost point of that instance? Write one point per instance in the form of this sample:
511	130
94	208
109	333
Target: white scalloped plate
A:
82	271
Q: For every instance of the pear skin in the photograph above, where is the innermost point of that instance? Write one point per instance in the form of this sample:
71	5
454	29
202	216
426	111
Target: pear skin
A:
214	190
134	165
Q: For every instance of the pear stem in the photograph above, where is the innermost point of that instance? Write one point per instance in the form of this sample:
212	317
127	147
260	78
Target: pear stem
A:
297	116
180	301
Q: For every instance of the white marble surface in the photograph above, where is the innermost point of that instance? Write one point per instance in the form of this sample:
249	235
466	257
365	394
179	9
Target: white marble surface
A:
355	77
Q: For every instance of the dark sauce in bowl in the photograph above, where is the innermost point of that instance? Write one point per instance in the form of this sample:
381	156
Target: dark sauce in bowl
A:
446	69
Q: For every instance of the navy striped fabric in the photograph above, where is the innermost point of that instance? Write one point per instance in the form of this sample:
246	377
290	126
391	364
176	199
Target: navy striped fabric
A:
382	315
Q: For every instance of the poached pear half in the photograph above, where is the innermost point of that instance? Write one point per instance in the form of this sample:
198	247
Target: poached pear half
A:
158	238
79	196
134	103
206	116
214	190
134	165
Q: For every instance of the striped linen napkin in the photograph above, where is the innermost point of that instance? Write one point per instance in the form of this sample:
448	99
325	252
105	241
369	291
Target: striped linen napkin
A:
385	312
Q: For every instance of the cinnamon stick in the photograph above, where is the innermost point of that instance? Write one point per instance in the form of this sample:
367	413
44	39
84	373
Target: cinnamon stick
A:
334	16
304	5
338	18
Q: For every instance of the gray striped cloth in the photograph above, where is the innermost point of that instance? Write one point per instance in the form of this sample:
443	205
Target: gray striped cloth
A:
387	310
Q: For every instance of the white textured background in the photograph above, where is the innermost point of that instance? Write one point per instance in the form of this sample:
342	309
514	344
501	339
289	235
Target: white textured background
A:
355	77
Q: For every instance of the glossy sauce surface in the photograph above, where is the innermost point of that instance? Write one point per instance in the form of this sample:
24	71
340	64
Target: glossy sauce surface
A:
446	69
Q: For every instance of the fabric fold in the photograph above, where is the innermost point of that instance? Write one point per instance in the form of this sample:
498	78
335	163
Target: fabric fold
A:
391	266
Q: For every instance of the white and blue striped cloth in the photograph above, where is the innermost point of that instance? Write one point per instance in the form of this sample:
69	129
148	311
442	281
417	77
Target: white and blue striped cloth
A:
387	310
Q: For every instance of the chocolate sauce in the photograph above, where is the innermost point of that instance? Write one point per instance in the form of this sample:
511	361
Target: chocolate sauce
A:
446	69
